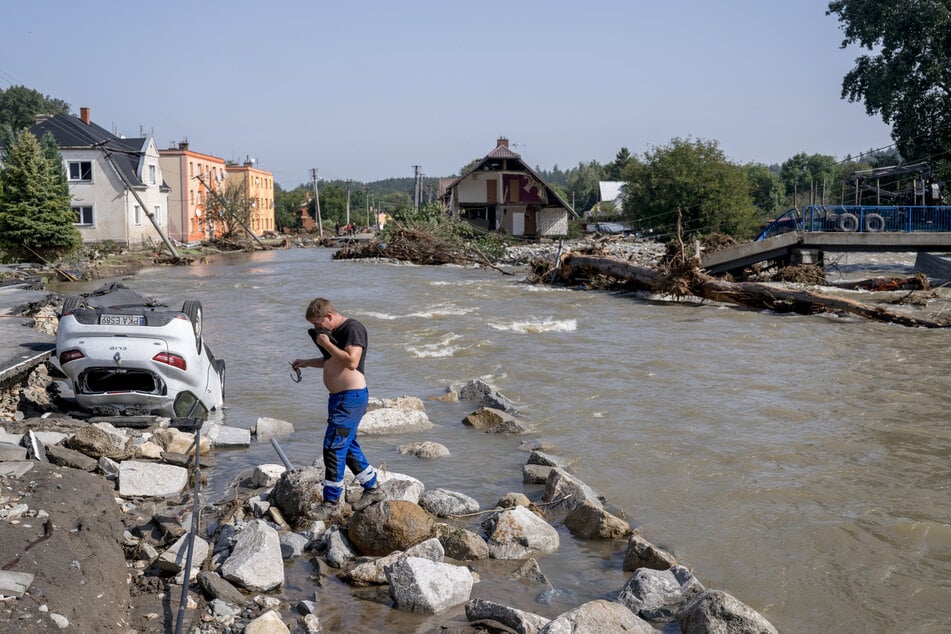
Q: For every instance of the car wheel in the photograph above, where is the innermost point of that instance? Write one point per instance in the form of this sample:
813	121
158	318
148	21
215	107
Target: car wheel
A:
71	303
220	366
192	310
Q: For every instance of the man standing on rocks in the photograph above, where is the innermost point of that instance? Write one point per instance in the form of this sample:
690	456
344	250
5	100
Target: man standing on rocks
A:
343	344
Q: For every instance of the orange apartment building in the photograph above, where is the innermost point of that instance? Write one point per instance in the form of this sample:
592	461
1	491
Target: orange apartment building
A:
259	188
190	175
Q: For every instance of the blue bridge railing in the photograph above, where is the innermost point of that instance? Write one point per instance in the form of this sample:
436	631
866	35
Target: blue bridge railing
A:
861	219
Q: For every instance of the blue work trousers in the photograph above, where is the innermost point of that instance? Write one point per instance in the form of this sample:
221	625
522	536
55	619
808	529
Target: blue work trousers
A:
341	449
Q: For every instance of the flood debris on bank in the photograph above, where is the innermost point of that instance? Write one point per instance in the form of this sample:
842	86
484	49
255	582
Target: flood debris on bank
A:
416	549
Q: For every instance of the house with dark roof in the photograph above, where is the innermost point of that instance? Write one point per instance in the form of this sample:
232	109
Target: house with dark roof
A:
501	192
118	192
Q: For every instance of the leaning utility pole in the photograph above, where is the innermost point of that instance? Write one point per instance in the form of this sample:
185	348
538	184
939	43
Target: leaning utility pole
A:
320	224
416	187
366	191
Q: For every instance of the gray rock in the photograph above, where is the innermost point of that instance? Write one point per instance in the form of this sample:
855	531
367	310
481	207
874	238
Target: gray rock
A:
10	452
298	492
108	467
255	562
267	475
446	503
293	544
173	559
530	571
564	491
65	457
268	623
15	584
480	391
50	438
147	479
535	474
215	587
463	545
657	594
598	616
643	554
547	459
425	449
223	436
267	428
517	533
513	499
427	587
591	522
517	620
716	612
374	572
493	421
392	420
339	550
102	439
10	439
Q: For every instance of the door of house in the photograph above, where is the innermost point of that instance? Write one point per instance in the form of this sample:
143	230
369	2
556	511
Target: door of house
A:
491	191
531	225
518	223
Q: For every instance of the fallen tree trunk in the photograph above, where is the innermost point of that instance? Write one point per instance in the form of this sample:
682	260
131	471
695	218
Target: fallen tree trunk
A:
688	279
917	282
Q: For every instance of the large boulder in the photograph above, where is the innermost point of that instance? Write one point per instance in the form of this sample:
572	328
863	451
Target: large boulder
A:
388	526
512	618
255	562
641	553
177	441
463	545
598	616
374	571
480	391
517	533
393	420
149	479
656	595
564	492
425	449
591	522
716	612
102	439
298	492
446	503
427	587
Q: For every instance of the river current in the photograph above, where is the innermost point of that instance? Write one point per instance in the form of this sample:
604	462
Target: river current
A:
802	464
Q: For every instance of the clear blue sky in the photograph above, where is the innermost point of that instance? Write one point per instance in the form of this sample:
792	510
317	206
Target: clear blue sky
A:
365	90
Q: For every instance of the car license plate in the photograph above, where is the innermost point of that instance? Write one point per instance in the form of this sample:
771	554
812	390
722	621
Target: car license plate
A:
121	320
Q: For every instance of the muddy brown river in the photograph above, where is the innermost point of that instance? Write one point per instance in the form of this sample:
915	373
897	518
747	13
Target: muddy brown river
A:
802	464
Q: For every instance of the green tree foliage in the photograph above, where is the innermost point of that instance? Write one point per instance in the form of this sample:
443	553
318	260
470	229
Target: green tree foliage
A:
613	171
906	77
19	106
694	176
767	189
582	185
35	215
287	206
808	177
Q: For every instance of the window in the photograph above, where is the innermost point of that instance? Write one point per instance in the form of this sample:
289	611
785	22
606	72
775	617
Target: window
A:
158	214
151	174
80	171
83	215
137	215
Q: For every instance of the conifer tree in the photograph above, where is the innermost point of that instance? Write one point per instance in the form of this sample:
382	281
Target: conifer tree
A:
35	216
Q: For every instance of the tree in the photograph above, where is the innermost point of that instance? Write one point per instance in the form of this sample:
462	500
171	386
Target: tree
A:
287	206
19	106
613	171
766	188
35	215
695	177
582	185
229	207
808	178
908	78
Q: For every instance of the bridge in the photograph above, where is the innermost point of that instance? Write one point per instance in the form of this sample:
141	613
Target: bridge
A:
803	238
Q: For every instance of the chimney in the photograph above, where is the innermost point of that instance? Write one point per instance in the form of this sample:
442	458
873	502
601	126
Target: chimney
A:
503	142
84	115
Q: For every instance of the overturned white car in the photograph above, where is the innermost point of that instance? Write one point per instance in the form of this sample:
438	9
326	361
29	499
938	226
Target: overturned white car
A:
125	355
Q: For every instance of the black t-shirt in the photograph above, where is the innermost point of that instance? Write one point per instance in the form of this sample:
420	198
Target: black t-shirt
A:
349	333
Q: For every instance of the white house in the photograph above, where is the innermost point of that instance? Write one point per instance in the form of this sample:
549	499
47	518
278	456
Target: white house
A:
115	183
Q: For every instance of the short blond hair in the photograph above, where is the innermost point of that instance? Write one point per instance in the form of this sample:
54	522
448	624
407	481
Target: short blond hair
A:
319	308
